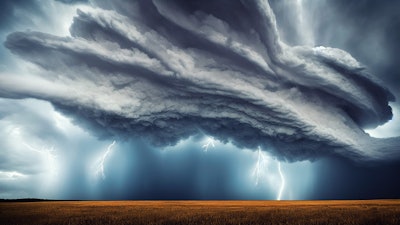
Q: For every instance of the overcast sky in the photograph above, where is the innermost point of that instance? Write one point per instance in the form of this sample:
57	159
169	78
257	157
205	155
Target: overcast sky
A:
199	99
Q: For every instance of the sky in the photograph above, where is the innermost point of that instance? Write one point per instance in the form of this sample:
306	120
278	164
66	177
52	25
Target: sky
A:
275	100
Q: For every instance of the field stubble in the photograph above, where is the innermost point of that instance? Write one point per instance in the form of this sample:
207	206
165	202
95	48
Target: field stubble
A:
201	212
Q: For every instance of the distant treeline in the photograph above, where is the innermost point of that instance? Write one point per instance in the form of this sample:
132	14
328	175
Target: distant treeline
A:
24	200
32	200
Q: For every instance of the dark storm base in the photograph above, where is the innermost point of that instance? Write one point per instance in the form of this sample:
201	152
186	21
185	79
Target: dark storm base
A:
201	212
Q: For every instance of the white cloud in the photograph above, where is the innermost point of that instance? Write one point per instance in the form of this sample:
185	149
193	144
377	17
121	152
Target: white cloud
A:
132	77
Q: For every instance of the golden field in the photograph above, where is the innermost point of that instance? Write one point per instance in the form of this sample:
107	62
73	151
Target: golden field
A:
201	212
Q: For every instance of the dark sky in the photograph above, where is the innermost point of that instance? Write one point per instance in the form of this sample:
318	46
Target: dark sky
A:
199	99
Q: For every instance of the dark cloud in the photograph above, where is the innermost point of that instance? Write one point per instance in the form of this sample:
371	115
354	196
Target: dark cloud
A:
13	12
369	31
360	27
13	16
187	67
72	1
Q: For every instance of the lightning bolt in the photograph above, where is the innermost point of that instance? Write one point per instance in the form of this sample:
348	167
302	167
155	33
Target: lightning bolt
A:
261	162
282	182
100	166
47	152
261	165
209	142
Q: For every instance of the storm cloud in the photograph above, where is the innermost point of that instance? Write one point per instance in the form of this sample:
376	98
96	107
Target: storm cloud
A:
168	70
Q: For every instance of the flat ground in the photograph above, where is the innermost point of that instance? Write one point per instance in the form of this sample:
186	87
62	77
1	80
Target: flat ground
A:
201	212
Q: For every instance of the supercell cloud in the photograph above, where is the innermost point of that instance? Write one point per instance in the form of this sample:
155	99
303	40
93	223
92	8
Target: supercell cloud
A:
168	70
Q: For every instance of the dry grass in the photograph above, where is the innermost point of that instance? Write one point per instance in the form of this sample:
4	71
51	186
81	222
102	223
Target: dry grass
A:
201	212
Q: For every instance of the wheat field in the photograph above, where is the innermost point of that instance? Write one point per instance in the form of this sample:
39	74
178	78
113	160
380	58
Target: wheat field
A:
201	212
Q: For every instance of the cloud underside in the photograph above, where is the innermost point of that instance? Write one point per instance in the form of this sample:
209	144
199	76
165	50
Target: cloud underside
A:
167	70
